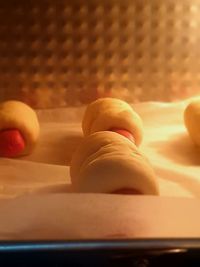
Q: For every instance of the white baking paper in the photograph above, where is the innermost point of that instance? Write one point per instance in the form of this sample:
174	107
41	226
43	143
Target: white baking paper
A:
35	190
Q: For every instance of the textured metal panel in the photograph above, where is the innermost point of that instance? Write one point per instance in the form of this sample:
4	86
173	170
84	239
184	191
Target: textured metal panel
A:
57	53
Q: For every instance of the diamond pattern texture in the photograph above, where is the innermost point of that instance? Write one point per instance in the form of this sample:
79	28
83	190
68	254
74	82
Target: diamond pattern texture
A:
68	53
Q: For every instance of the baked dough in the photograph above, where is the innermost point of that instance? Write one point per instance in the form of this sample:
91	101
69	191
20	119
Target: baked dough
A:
107	113
192	120
17	115
106	162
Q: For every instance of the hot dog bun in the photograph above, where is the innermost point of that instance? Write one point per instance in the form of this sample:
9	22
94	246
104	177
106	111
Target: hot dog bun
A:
19	116
106	162
107	113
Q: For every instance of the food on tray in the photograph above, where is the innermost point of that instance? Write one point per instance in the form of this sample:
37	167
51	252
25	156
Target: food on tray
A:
192	120
111	114
106	162
19	129
124	133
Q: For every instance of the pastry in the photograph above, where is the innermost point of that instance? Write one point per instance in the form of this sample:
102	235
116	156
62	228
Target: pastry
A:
192	120
111	114
106	162
19	129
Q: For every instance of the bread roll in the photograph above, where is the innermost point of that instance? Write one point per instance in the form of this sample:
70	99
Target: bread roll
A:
18	123
106	162
192	120
107	113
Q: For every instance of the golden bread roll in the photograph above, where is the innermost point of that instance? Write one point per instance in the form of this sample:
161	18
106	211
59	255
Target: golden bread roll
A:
105	114
192	120
106	162
19	129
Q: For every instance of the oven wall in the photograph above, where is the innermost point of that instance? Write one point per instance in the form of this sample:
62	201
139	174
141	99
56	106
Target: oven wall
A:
68	53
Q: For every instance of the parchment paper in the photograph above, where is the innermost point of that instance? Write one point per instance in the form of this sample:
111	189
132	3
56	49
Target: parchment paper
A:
36	195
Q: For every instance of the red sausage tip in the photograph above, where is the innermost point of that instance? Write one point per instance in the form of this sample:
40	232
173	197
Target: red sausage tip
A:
11	143
123	132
